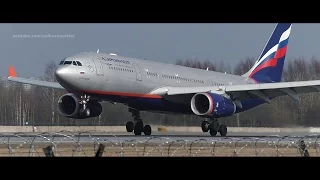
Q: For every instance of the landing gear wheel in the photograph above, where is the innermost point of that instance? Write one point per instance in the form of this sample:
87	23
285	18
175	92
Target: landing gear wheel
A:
138	128
129	126
147	130
205	126
223	130
213	132
214	127
87	112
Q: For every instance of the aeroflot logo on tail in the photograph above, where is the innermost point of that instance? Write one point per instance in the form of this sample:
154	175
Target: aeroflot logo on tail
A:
116	60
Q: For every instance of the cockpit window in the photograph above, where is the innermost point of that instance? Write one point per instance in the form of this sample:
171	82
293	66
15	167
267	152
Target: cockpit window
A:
67	62
75	63
62	61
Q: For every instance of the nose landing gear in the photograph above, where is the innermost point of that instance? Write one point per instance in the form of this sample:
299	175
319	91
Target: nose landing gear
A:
83	101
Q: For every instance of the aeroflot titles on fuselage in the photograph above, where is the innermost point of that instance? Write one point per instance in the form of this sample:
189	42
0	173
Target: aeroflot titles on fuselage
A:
115	60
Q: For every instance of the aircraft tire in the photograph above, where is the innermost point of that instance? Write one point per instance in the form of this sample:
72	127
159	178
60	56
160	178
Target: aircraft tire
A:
214	127
129	126
87	112
213	132
223	130
205	126
138	128
147	130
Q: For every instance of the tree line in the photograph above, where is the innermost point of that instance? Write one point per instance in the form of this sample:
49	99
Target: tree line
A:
22	105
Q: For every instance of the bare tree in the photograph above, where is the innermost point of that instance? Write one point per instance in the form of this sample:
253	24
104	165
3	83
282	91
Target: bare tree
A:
243	66
50	95
197	64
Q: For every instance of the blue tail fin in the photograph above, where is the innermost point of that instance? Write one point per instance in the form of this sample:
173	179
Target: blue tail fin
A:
269	66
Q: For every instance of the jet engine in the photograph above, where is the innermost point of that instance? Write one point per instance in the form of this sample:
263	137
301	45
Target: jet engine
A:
69	106
210	104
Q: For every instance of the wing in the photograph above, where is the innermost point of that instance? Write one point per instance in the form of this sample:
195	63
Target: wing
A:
13	77
250	91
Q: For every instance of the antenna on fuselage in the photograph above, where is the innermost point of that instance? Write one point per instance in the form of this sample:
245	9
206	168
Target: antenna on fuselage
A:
98	51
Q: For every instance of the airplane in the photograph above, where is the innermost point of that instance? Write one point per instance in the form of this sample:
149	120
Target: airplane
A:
143	85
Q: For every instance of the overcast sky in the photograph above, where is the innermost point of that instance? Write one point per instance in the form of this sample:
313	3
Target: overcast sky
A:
156	42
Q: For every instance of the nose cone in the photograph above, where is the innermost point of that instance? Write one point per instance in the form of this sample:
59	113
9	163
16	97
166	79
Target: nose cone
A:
64	77
61	74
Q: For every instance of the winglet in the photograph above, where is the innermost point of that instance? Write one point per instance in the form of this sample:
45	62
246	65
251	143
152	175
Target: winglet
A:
12	72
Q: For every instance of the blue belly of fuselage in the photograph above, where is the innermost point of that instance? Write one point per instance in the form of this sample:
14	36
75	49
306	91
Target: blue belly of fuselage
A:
164	106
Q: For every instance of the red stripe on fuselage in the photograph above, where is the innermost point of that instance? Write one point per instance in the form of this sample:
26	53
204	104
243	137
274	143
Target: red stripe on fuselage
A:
153	96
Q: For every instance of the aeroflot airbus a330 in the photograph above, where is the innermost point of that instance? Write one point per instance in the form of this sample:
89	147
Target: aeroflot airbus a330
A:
91	78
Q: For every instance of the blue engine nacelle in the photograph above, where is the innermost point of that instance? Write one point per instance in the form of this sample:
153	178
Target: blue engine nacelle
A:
212	105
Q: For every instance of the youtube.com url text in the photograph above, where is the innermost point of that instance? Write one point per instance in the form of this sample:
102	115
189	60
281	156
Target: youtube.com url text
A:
29	36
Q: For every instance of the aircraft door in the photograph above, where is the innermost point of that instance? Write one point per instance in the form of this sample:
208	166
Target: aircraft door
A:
211	83
138	72
98	65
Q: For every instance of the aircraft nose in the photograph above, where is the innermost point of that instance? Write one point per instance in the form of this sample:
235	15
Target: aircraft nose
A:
61	73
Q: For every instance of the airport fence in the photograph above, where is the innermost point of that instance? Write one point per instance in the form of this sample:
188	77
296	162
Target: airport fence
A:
93	144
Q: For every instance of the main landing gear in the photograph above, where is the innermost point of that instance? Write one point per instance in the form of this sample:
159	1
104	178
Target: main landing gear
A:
213	127
137	126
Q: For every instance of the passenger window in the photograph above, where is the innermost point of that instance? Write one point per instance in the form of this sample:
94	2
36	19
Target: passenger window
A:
79	64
